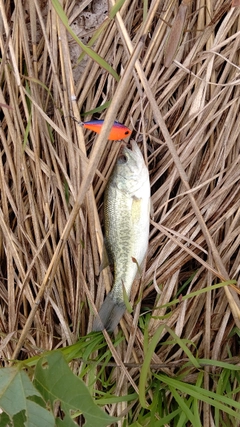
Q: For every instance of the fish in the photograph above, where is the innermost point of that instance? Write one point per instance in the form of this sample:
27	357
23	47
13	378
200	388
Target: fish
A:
118	131
126	220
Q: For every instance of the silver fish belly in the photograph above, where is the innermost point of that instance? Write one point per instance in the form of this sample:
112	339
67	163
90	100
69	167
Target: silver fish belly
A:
126	216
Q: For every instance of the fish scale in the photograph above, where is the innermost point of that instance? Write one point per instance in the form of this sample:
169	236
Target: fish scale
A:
126	217
123	247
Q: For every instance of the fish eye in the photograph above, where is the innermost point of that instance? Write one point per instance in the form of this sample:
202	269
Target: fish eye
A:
127	132
122	159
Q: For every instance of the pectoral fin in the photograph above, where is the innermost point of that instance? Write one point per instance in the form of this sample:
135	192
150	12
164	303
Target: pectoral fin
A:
105	260
136	209
106	255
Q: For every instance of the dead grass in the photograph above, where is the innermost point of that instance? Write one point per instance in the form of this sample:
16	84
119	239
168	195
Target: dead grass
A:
50	249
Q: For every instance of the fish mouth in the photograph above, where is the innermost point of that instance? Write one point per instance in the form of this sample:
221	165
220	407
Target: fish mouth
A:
124	154
132	149
127	154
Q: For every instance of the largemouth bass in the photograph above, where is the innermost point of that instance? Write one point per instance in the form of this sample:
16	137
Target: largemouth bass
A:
126	217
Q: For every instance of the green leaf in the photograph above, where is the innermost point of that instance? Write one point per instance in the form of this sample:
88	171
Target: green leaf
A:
104	25
5	420
27	130
109	400
15	391
116	8
166	420
218	401
199	292
182	344
19	419
97	109
146	365
97	58
220	364
56	382
182	403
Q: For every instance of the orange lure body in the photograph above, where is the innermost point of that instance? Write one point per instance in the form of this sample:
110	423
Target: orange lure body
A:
117	132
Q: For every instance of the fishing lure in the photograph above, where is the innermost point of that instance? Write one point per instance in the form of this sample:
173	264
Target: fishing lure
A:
118	131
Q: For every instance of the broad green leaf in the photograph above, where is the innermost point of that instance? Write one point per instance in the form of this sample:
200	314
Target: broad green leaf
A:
19	419
15	391
56	382
15	388
5	420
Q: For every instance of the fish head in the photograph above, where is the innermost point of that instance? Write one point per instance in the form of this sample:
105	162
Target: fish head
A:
130	162
131	171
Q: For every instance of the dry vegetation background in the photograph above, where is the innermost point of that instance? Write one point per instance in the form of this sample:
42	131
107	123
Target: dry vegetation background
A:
44	160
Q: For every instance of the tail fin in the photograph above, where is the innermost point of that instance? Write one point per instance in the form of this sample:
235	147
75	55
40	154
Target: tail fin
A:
109	315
